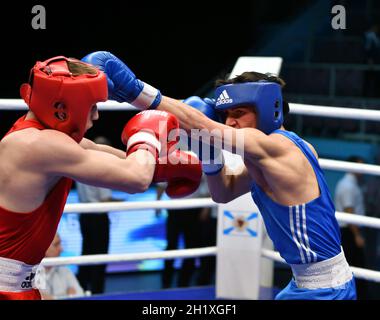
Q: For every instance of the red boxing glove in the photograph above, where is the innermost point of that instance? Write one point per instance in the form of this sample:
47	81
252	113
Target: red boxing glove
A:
182	171
152	130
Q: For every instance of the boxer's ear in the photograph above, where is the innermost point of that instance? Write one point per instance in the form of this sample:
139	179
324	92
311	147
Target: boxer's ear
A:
25	92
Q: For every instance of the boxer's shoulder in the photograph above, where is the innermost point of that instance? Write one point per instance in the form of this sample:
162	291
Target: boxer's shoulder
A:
31	147
32	138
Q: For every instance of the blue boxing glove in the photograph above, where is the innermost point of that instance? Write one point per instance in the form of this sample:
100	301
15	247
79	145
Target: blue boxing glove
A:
206	106
123	86
210	155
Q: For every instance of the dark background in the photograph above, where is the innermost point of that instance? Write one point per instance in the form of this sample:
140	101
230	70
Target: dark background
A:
175	46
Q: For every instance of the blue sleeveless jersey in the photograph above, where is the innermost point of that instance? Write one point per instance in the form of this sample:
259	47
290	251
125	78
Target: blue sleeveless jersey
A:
303	233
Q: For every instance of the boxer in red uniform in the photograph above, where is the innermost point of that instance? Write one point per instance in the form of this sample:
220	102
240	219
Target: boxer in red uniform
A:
46	149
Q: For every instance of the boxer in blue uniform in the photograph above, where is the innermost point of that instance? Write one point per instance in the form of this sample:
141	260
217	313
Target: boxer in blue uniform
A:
280	170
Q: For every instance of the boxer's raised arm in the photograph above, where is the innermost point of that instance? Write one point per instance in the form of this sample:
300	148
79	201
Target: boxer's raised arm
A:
59	155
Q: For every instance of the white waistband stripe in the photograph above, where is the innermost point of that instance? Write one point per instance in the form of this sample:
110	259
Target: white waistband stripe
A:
16	276
329	273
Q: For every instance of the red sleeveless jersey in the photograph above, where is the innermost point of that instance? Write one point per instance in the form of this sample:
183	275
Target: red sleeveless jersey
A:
26	236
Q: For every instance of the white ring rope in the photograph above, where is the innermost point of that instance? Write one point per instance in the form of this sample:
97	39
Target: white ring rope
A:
123	257
346	166
19	104
296	108
98	207
96	259
101	207
13	104
355	219
334	112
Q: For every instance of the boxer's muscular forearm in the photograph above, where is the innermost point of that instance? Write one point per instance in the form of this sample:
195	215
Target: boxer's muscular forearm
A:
88	144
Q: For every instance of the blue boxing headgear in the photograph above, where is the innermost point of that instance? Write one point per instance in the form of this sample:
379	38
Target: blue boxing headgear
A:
264	96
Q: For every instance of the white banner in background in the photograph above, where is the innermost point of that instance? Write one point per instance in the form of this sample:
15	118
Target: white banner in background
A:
239	249
258	64
241	233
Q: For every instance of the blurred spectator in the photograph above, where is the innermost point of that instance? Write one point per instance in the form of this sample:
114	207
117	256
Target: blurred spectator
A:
372	193
372	56
372	44
95	232
349	198
372	206
60	282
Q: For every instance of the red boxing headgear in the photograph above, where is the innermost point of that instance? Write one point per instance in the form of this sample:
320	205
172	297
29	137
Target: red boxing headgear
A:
61	100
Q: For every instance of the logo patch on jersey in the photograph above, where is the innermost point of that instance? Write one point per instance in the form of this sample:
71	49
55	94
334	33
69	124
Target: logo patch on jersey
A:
240	223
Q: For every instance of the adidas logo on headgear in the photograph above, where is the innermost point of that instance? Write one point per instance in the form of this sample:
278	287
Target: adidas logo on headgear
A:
223	98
